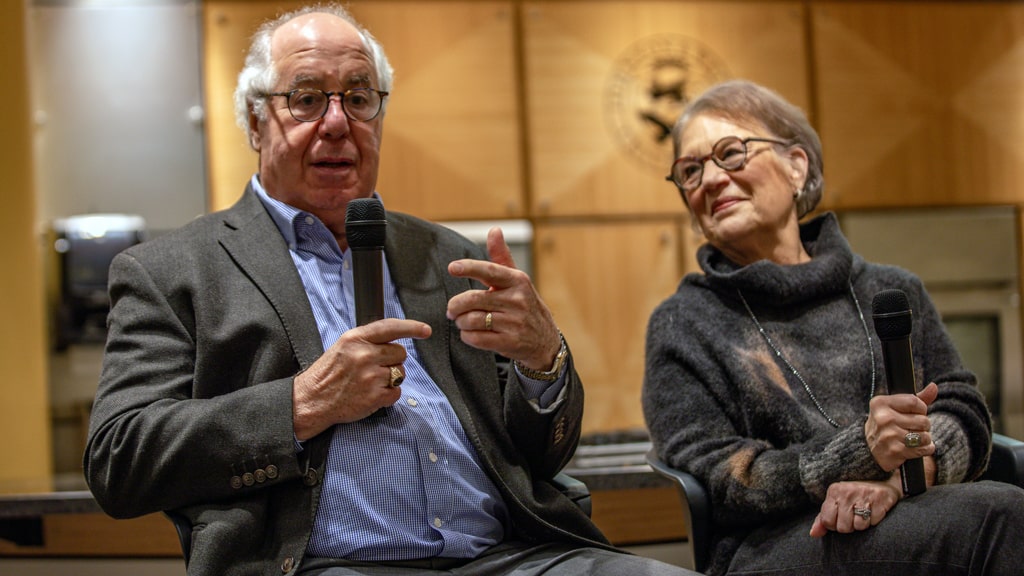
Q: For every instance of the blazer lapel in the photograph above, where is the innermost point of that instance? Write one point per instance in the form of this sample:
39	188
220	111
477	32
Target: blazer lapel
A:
417	274
257	247
418	267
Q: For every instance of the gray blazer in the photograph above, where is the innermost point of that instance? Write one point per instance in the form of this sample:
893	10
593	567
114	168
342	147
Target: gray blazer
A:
209	325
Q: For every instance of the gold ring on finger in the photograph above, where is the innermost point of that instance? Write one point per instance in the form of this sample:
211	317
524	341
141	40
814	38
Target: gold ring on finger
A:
912	440
396	377
489	321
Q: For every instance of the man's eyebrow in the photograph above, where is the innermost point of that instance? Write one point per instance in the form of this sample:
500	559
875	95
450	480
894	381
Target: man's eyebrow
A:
301	80
362	79
358	80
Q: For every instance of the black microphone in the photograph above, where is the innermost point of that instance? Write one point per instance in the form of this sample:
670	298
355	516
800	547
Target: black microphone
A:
365	228
890	310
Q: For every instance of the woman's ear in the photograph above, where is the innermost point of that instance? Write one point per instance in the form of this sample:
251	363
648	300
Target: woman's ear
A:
796	166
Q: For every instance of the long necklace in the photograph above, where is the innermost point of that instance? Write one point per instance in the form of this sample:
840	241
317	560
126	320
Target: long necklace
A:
792	369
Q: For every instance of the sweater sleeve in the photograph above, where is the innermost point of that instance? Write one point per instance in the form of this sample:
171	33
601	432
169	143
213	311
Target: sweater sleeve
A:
960	419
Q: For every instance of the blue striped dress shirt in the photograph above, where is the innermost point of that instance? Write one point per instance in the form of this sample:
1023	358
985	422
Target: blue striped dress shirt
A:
405	483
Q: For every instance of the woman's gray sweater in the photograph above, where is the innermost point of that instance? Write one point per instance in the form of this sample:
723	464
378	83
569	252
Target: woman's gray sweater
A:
720	404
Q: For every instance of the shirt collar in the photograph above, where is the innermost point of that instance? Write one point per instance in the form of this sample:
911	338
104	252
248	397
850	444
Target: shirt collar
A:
284	215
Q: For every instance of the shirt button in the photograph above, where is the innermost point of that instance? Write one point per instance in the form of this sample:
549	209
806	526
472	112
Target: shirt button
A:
433	457
437	522
412	402
309	220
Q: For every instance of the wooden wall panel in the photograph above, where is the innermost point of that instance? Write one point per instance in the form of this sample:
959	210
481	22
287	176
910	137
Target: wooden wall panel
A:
451	147
227	28
601	281
25	454
596	70
920	104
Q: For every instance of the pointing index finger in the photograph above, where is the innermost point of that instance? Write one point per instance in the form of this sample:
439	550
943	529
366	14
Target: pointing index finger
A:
391	329
488	273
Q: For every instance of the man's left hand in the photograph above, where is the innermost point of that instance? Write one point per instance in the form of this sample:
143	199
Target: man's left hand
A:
508	317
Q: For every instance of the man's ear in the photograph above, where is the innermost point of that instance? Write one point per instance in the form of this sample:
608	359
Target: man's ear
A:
254	129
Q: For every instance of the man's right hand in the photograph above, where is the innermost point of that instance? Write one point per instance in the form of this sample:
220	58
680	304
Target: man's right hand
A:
353	377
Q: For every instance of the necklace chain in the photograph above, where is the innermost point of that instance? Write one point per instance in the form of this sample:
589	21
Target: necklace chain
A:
871	351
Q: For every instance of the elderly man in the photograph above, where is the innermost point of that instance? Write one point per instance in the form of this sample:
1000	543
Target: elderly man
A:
238	391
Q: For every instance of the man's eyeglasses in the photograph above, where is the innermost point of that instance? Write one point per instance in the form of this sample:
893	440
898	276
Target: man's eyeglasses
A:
310	104
729	153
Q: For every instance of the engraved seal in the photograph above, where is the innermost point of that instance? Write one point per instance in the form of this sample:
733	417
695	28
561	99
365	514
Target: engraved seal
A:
649	85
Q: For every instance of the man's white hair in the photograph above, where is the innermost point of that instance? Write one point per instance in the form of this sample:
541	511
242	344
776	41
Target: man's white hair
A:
259	76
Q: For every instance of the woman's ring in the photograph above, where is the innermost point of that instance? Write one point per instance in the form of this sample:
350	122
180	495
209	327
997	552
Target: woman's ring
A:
912	440
864	513
488	321
396	377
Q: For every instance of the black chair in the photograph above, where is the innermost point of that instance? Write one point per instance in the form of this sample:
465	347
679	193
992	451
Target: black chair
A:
576	490
1005	465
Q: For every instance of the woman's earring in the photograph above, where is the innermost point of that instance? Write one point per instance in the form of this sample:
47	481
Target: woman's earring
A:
797	193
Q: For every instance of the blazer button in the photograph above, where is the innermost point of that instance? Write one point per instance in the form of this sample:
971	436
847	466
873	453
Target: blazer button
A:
287	565
271	471
260	475
248	479
236	482
311	477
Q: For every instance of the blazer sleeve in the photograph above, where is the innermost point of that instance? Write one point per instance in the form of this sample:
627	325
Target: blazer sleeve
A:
171	426
546	436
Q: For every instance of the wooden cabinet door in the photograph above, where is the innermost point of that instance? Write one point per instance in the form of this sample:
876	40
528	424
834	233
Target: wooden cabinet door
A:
601	281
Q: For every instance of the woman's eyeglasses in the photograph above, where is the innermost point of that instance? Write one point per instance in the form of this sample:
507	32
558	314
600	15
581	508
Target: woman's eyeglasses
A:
729	153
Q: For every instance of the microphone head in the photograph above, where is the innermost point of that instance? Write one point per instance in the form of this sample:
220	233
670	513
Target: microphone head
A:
365	224
890	310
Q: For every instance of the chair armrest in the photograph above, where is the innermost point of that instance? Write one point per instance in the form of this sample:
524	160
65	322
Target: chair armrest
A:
1007	461
576	490
183	527
696	508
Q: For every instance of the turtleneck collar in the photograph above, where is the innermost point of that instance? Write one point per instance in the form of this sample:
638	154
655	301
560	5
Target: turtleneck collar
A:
829	271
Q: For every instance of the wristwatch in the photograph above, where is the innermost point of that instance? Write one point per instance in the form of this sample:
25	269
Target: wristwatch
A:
550	375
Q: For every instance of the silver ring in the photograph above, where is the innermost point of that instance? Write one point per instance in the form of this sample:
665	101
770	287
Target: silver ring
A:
488	321
912	440
396	377
864	513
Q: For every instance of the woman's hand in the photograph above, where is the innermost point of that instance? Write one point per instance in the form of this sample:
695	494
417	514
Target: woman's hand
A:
850	506
894	421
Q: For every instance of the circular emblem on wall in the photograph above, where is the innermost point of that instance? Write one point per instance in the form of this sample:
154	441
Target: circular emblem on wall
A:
649	85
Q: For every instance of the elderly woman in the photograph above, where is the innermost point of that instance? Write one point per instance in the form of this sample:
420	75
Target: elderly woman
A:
765	380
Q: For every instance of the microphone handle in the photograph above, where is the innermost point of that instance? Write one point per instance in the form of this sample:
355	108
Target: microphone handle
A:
899	373
912	474
368	277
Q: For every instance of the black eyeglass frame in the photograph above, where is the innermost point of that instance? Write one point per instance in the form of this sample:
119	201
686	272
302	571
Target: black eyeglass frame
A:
342	94
702	160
